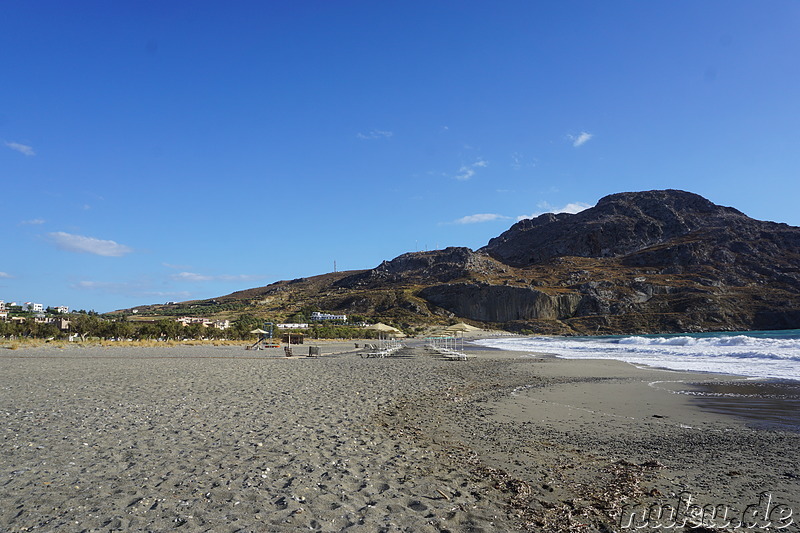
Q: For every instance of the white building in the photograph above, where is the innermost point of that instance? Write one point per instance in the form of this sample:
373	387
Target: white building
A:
290	325
317	316
205	322
30	306
62	309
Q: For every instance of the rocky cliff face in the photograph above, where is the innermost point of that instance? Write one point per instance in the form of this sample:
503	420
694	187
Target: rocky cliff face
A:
501	304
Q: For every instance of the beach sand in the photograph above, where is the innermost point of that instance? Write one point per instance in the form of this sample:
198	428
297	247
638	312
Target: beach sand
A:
205	438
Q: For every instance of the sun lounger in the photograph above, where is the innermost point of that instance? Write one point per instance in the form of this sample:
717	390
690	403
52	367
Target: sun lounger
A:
387	351
448	353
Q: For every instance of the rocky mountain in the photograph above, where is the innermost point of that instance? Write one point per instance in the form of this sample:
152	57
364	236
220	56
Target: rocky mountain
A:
620	224
653	261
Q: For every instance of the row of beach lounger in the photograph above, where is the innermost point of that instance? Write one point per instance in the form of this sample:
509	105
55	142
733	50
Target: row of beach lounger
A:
447	353
385	351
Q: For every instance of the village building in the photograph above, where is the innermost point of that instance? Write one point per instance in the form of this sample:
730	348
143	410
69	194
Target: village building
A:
318	317
205	322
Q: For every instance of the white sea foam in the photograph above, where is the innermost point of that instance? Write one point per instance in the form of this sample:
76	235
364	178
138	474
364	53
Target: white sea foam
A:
755	354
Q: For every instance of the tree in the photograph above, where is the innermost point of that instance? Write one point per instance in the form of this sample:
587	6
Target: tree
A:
86	325
194	331
118	329
48	331
243	325
169	329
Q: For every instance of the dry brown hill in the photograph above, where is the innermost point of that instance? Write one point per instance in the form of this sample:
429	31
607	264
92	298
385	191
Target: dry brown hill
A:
653	261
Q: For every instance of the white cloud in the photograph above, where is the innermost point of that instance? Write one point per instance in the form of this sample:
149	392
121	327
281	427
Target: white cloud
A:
571	208
191	276
5	275
520	161
480	217
32	222
238	277
21	148
176	267
172	295
195	277
467	171
580	139
375	134
89	245
110	286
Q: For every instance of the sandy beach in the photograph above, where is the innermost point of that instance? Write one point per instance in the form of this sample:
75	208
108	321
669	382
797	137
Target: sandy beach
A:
204	438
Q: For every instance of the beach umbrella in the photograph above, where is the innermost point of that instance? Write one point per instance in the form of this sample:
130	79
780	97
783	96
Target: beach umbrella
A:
461	327
259	331
386	331
384	328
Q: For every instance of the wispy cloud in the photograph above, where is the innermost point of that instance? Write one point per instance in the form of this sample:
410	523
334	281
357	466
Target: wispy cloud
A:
176	267
32	222
580	139
21	148
519	161
239	277
191	276
479	218
5	275
375	134
468	171
89	245
195	277
106	286
176	295
571	208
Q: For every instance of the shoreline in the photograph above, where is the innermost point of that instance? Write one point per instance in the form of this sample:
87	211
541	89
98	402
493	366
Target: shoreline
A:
763	402
601	414
118	439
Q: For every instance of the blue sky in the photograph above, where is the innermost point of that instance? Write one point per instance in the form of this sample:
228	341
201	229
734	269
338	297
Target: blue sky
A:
156	151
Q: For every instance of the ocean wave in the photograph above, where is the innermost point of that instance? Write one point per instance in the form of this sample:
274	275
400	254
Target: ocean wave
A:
740	354
734	340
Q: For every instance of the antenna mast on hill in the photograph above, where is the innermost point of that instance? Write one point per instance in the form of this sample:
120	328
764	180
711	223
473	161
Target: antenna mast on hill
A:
334	266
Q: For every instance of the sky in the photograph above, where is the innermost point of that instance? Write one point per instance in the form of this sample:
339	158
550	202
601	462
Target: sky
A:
167	151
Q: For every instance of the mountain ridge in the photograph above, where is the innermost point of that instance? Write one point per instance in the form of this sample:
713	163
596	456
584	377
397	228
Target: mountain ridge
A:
636	262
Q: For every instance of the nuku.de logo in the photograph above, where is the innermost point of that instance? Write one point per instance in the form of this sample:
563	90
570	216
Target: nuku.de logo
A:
686	513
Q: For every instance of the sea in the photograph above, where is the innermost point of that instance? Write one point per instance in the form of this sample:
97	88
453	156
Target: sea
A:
754	354
769	362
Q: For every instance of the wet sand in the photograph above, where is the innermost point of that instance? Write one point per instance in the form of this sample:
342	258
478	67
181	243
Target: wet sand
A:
223	439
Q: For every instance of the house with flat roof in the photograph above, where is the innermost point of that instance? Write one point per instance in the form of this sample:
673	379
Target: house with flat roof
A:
318	317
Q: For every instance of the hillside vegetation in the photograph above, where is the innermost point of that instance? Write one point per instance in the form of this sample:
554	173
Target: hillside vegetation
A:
642	262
